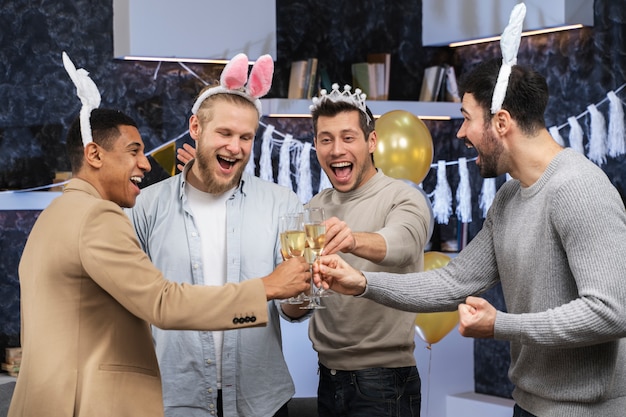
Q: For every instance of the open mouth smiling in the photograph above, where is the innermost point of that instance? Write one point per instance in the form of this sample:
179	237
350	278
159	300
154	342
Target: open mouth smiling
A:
226	163
341	169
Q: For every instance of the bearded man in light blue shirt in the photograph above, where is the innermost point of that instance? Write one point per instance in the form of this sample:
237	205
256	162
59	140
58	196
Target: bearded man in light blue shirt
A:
214	224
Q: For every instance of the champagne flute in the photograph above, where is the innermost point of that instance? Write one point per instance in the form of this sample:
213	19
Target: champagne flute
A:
315	232
292	242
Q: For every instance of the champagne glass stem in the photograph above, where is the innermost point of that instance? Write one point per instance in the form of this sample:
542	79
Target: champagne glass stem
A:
313	297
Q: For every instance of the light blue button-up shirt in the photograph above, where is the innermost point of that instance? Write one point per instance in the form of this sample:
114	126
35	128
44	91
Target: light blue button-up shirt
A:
255	378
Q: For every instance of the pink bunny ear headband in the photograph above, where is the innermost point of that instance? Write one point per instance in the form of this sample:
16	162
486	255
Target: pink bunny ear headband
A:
234	77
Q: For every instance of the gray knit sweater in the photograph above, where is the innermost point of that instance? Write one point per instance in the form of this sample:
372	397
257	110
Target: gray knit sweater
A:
559	249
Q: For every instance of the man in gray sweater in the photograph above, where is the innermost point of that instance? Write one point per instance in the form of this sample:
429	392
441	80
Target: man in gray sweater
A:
555	237
377	223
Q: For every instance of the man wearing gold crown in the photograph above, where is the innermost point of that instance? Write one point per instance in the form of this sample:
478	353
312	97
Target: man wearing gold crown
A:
366	361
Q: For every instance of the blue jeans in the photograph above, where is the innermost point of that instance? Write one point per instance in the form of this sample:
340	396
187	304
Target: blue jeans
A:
392	392
520	412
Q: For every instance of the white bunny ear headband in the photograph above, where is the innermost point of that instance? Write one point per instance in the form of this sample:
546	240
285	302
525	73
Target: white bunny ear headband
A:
88	93
509	43
234	80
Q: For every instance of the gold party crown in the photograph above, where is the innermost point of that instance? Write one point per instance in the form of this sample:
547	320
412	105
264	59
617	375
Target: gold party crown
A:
356	99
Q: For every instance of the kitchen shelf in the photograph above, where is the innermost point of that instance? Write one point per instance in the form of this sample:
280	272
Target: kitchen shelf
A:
282	107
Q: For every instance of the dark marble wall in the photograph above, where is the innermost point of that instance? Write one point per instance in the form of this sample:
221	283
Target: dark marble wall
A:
37	99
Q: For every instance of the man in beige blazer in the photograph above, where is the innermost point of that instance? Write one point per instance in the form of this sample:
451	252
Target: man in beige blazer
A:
89	293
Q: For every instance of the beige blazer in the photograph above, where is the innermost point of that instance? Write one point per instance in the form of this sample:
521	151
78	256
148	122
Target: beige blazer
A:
88	296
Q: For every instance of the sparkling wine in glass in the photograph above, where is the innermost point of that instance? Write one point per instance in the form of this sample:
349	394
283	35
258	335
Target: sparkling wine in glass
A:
292	242
315	232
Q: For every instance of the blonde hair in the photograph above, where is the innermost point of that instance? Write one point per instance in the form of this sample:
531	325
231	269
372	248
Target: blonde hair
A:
205	113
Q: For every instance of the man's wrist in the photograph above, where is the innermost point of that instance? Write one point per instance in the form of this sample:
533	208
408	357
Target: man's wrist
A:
362	287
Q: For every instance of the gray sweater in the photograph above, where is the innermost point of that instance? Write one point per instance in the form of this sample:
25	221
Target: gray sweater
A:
355	333
559	249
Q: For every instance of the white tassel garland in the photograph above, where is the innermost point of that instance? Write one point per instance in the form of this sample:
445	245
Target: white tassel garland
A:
284	163
575	135
554	132
305	188
487	194
250	166
616	139
464	194
597	139
266	155
442	197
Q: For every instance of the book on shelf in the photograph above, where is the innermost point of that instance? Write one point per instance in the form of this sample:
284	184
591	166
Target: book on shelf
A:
452	88
364	77
324	80
303	79
13	354
431	83
313	79
372	77
12	361
11	368
439	84
382	70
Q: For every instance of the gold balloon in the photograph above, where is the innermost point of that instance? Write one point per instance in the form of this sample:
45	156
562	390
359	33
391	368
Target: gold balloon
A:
434	260
405	147
432	327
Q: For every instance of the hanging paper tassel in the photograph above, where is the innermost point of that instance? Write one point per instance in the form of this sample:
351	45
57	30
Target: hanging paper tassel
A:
464	194
616	139
575	135
266	155
442	198
554	132
284	162
487	194
324	181
250	166
305	188
597	139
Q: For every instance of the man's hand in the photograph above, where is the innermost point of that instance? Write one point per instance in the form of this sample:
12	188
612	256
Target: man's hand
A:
330	271
184	155
339	237
289	279
477	318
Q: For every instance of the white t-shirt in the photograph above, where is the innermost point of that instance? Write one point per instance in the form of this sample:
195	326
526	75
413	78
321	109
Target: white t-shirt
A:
209	214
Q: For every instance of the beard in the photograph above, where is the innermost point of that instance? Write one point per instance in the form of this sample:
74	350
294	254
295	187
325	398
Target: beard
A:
488	167
213	183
